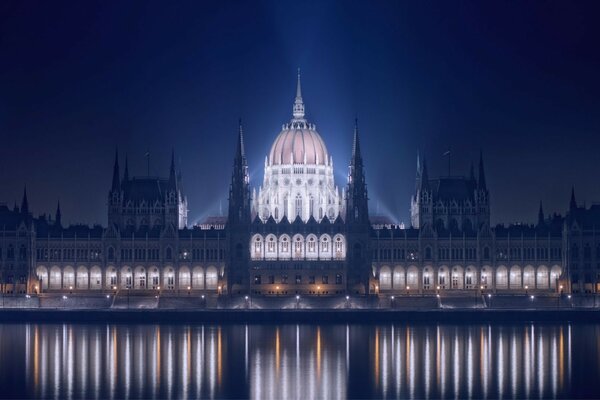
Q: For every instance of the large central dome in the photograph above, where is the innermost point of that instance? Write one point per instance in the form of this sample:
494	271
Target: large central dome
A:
298	180
302	145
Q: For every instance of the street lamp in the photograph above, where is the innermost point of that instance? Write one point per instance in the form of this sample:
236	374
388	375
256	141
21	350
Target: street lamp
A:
526	289
189	288
70	289
392	302
490	297
347	301
297	301
407	289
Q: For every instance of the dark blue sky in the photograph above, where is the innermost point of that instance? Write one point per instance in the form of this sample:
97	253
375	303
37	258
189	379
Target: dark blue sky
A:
518	80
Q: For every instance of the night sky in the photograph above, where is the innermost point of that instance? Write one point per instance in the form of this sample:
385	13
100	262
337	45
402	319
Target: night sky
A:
519	81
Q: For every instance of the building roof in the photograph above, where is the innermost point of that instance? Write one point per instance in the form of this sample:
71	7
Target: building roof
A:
452	188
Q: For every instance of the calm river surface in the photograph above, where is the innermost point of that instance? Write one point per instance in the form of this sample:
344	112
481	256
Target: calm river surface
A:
299	361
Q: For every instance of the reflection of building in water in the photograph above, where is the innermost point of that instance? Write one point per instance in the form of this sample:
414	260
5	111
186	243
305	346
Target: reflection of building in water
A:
123	362
307	362
466	361
302	362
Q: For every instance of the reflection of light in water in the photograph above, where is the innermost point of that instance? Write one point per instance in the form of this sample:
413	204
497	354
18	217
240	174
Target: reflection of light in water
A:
169	364
140	364
384	365
527	361
127	363
513	365
97	362
500	365
411	367
541	366
443	365
83	363
554	366
485	359
376	354
121	362
56	382
427	364
470	364
456	367
212	373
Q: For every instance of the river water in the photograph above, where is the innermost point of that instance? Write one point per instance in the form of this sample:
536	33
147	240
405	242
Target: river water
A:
300	361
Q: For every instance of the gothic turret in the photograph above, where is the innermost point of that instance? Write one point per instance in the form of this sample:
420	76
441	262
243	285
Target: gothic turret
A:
116	179
481	182
541	215
239	191
172	174
573	202
126	173
58	216
357	208
25	203
238	221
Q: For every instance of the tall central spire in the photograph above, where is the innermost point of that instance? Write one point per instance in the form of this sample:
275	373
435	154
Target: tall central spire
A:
298	110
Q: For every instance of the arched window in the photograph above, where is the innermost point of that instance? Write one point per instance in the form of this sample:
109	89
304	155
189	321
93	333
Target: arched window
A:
22	253
276	213
285	205
428	253
298	205
111	254
10	252
486	253
311	206
168	253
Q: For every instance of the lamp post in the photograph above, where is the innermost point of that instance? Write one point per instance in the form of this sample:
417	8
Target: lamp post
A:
560	293
189	289
203	302
407	290
392	301
526	290
297	301
490	300
347	301
70	289
246	300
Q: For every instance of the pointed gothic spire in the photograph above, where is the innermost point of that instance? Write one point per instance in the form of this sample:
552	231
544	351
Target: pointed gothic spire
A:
541	215
298	109
424	176
355	143
172	175
126	173
24	202
116	180
481	183
58	215
573	202
240	151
